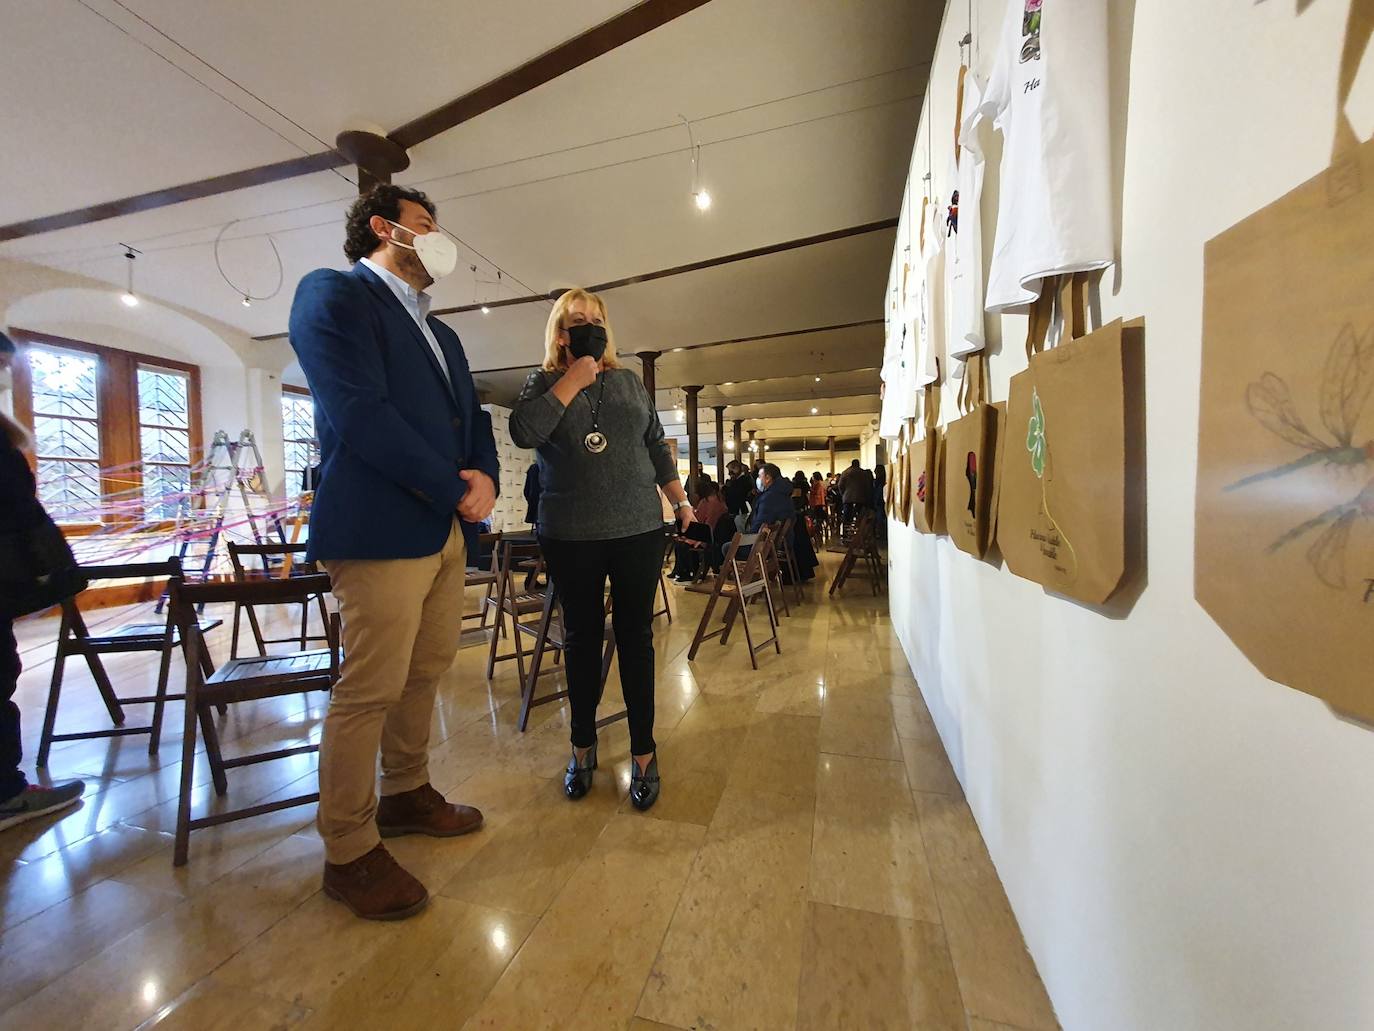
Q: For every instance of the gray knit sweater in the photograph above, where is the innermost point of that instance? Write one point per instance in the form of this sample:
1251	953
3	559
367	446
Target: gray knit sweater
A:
587	497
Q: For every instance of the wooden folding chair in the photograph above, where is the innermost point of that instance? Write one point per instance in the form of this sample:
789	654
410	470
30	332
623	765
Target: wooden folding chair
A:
476	576
276	559
513	603
74	639
739	586
863	546
772	567
782	544
243	680
550	635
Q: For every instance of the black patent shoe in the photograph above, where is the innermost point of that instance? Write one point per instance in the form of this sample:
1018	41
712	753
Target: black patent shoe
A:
577	780
644	785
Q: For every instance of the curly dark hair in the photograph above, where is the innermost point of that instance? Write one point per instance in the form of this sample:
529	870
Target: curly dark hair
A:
385	200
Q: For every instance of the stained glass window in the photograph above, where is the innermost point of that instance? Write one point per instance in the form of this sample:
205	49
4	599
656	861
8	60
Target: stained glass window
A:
164	435
298	437
66	413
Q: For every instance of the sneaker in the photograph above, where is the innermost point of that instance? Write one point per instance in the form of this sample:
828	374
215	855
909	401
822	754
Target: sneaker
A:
35	801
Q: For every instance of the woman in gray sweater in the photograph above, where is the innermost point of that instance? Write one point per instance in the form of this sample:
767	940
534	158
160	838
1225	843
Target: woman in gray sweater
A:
601	454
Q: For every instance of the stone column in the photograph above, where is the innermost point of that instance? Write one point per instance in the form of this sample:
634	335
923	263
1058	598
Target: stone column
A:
739	424
693	441
720	442
831	442
649	360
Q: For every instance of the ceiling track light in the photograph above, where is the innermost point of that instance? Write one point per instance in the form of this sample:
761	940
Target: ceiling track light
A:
129	298
247	296
701	196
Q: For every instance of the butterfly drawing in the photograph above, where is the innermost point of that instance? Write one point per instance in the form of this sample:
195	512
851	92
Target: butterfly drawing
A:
1347	380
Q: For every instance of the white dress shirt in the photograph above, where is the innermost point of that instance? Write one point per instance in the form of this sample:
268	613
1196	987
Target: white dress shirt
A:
417	302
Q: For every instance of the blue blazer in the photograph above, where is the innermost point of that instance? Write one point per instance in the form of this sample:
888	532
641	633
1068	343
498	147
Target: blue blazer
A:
773	506
393	434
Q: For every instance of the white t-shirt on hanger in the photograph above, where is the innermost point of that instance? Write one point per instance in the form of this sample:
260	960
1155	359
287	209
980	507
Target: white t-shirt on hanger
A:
1047	94
889	419
929	321
964	260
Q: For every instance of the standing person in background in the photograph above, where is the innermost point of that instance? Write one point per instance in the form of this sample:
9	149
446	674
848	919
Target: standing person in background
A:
409	470
22	523
602	453
816	498
736	491
532	492
856	488
800	492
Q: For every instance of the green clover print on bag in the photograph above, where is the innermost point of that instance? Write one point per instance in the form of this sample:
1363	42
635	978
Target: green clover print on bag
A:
1035	436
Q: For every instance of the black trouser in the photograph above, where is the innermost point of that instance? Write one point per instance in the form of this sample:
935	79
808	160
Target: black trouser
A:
12	781
578	569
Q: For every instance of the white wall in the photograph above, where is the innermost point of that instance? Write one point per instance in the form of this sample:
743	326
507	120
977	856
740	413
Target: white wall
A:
1186	844
240	377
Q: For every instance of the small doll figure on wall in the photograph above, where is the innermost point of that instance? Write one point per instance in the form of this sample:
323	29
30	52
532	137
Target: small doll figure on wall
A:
952	219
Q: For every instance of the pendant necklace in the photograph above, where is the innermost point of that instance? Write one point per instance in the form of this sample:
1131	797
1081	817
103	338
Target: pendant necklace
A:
595	441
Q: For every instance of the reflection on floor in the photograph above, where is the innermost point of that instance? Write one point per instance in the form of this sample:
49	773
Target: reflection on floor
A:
811	864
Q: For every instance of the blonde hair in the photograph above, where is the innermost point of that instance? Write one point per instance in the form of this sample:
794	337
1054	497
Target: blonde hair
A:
555	356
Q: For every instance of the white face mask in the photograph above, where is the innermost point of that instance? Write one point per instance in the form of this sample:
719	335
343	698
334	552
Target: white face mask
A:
759	483
437	253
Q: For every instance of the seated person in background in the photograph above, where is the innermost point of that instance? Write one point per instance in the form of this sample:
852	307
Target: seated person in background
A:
774	501
709	511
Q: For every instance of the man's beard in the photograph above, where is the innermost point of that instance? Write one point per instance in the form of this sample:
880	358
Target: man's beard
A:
411	265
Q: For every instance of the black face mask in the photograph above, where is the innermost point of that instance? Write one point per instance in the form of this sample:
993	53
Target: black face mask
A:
587	341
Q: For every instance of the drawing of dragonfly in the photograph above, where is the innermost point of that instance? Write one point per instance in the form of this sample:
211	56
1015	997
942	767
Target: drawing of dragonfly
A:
1347	381
1327	553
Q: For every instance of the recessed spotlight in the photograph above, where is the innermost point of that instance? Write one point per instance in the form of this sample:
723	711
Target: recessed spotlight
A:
818	379
129	298
703	199
247	301
486	310
815	411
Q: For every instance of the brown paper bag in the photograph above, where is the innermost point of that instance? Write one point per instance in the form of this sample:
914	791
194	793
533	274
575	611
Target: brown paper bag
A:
927	510
970	465
1284	558
1062	520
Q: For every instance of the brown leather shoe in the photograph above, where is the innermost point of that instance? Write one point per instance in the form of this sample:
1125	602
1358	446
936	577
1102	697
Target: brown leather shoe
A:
424	811
375	887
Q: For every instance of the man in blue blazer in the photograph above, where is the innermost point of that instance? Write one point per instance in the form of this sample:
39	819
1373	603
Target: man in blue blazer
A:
408	468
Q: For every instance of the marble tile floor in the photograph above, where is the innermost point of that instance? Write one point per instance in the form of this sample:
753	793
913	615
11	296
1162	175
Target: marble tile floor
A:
811	863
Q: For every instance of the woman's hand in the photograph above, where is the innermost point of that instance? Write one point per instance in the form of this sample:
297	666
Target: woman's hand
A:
685	518
582	373
576	378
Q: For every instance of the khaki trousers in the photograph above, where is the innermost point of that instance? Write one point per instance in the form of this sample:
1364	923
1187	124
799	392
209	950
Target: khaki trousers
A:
401	622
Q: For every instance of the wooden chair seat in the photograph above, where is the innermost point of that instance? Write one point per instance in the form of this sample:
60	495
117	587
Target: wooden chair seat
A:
136	637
